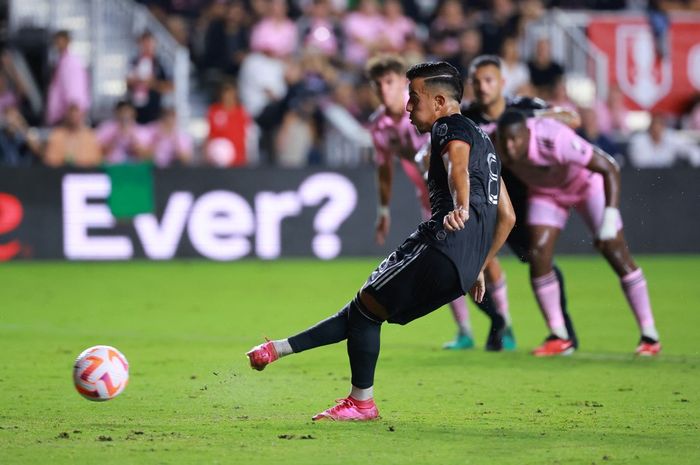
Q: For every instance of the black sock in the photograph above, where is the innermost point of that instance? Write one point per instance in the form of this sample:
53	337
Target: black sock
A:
363	345
562	299
489	308
329	331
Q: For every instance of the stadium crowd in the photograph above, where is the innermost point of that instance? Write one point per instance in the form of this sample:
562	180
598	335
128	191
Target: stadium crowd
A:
271	67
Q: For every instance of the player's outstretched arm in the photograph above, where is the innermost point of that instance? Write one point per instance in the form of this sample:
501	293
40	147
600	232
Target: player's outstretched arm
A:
385	176
606	165
505	220
569	117
456	159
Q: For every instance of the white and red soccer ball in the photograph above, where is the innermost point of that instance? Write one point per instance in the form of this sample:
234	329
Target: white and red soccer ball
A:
100	373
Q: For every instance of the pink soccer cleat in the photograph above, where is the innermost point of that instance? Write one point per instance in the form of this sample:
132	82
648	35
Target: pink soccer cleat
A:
262	355
349	409
648	347
553	346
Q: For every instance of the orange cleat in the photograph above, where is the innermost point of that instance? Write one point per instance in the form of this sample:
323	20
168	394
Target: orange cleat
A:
648	347
262	355
553	346
349	409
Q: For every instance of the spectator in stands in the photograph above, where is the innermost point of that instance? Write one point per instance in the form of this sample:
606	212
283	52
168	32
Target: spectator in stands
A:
690	119
612	113
661	147
496	24
397	26
364	33
73	143
19	144
121	138
446	29
165	144
275	32
13	89
69	81
590	131
228	129
515	72
319	29
147	80
469	48
226	41
545	73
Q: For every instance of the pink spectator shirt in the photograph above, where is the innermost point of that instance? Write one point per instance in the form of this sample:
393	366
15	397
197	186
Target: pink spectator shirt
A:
397	31
163	144
69	85
109	134
556	160
399	138
361	27
278	37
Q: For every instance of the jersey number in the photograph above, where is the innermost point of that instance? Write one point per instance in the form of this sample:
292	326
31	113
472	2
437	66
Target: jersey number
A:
493	179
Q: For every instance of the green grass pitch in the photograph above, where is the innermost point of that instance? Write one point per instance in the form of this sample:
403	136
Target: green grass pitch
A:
184	326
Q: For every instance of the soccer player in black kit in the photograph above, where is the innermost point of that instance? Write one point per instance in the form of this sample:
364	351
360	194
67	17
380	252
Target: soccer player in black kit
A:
444	258
487	83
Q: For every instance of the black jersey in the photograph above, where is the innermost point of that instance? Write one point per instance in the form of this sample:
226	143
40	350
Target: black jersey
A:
467	248
526	105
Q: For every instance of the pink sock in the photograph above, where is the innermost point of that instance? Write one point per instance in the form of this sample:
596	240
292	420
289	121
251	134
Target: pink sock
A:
546	290
460	312
634	286
499	294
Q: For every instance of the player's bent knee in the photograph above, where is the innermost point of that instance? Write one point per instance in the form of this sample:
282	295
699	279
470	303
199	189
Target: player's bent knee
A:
370	304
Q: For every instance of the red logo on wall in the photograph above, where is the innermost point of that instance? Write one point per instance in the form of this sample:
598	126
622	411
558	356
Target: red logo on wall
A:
11	214
648	82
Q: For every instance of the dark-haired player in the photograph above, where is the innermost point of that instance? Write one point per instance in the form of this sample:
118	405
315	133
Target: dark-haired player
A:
563	171
487	83
393	135
440	261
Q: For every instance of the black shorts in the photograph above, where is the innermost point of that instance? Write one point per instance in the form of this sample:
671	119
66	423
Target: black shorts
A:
413	281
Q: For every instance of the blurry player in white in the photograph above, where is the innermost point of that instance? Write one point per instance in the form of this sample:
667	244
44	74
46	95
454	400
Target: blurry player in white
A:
563	171
393	134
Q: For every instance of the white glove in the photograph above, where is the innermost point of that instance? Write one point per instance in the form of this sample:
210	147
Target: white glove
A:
608	229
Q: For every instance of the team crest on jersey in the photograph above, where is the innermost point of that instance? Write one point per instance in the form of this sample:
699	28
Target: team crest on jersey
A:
441	130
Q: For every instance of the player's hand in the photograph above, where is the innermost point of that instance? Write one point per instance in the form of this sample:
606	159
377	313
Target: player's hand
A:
608	228
454	220
478	289
382	227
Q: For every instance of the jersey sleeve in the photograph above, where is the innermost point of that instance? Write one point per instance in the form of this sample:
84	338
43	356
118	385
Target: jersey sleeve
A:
446	130
570	148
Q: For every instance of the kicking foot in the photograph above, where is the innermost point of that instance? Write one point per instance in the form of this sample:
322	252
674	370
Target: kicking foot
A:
262	355
461	342
554	346
349	409
648	347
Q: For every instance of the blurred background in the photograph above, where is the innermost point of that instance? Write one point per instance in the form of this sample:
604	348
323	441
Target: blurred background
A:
251	116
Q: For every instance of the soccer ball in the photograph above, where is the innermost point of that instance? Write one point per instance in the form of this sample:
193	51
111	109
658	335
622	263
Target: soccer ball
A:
100	373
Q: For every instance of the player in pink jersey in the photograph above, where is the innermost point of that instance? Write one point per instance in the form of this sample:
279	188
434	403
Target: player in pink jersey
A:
393	135
562	171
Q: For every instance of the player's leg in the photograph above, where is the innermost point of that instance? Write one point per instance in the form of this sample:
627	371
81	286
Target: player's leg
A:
497	288
632	280
460	313
519	242
546	220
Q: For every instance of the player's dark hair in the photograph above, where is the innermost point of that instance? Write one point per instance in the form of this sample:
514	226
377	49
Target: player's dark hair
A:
484	60
380	65
439	73
62	34
122	104
510	118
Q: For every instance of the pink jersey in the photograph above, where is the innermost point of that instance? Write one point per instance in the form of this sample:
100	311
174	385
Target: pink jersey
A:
556	160
400	138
